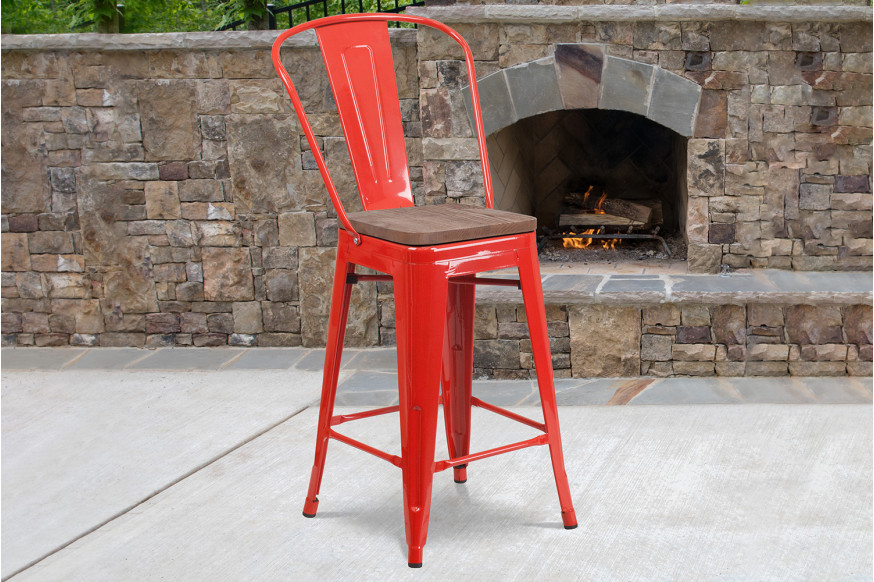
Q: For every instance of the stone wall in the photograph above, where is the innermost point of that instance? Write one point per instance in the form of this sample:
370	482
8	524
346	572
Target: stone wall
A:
156	191
694	339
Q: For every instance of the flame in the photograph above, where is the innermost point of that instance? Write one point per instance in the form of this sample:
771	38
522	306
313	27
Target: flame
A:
578	243
598	209
610	244
584	243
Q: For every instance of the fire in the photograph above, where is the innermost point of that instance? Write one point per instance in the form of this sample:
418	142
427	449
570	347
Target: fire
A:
578	243
584	243
598	209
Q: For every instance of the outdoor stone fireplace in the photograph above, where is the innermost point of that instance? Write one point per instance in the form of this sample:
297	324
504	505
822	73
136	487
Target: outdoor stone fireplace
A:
622	139
156	190
757	105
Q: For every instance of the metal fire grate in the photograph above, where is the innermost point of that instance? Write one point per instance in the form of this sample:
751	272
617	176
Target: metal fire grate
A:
569	233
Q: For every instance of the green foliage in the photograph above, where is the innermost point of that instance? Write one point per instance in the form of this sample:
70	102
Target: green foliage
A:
102	13
336	7
29	17
253	13
171	16
64	16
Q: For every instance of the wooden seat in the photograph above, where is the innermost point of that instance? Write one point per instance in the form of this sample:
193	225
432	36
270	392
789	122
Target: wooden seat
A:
439	224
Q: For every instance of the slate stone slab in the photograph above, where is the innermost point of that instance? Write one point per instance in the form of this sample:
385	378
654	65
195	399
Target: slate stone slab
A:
626	85
674	102
774	391
374	359
187	359
534	87
577	392
367	381
37	358
704	284
579	68
633	286
505	393
315	360
268	359
838	390
580	284
688	391
108	358
820	282
495	103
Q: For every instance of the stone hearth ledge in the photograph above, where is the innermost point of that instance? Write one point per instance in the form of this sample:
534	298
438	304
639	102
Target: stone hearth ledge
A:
625	13
227	39
738	287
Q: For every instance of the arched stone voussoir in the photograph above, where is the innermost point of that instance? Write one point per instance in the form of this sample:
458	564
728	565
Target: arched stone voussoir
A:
583	76
517	92
590	78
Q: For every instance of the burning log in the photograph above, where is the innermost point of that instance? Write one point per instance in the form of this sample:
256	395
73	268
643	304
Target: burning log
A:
588	200
657	217
590	219
627	209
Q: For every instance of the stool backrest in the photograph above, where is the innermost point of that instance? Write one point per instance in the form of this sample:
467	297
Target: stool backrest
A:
357	54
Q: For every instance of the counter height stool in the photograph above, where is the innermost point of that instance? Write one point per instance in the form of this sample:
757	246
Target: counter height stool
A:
432	255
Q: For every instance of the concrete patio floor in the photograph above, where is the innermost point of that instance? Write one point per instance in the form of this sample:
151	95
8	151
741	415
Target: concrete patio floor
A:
192	465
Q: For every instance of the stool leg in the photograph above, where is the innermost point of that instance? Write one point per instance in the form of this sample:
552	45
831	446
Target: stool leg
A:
333	353
532	293
458	372
420	317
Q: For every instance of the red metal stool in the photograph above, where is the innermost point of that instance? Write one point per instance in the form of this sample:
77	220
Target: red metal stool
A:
432	254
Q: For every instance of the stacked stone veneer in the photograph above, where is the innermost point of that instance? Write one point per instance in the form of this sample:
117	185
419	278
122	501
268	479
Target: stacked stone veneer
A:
756	339
777	114
158	196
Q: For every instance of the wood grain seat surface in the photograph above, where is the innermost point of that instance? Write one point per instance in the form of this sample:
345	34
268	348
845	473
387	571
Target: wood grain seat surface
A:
439	224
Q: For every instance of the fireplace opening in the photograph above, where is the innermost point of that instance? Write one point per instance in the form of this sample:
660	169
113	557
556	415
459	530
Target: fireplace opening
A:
605	186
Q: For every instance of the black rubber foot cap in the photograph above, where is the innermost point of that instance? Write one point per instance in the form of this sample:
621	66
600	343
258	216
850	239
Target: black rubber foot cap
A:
461	481
412	565
574	526
305	514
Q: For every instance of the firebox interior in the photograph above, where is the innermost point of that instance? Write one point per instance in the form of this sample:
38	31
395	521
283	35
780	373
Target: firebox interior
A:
544	165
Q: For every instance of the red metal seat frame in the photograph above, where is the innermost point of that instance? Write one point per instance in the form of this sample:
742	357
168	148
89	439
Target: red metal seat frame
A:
434	286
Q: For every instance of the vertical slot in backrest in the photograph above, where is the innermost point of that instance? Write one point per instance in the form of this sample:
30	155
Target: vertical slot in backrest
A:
361	71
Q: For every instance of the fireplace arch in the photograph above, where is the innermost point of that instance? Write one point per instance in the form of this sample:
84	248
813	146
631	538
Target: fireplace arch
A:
582	118
582	76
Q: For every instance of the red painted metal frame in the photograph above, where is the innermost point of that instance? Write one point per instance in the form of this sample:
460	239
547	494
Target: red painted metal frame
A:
455	461
434	286
386	85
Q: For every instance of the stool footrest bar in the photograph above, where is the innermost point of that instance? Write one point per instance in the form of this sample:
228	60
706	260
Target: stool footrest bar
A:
511	415
393	459
443	465
353	278
341	418
474	280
